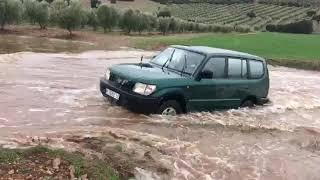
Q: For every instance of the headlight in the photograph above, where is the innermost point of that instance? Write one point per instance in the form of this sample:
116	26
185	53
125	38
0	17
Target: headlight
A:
107	74
144	89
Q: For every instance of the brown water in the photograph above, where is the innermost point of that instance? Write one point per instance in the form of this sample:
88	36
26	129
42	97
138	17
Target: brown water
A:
56	95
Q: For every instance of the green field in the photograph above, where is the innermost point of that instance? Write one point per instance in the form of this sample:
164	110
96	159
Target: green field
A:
268	45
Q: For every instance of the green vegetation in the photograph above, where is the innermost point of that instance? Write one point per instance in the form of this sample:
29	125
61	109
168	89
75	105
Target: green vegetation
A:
269	45
141	5
107	17
301	27
68	15
295	3
10	12
253	15
38	12
164	24
71	15
94	168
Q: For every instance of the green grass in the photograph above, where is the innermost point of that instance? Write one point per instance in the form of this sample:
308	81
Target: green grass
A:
268	45
95	168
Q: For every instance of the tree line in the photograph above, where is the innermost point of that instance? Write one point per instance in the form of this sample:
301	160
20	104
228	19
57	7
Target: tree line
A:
71	15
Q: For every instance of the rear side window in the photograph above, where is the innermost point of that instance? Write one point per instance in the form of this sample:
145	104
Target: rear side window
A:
256	69
216	66
234	68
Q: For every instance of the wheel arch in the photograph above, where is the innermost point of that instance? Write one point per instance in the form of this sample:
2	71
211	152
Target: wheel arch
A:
252	98
177	96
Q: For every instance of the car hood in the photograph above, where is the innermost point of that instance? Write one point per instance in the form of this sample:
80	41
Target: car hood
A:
146	73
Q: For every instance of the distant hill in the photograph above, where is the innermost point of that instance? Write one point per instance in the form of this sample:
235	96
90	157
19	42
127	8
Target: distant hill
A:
297	3
228	12
143	5
237	14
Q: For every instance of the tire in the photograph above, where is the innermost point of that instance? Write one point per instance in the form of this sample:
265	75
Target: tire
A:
247	103
170	107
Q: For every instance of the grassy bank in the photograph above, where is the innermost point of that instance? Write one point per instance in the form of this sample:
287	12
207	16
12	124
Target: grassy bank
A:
269	45
43	163
292	50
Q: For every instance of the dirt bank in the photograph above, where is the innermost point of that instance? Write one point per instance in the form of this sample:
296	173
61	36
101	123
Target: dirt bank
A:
108	41
40	162
101	41
299	64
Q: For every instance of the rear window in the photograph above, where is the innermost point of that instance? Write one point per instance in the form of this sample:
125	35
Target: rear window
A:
256	69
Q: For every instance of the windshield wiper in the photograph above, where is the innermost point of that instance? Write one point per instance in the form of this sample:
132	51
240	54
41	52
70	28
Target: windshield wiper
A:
184	65
168	60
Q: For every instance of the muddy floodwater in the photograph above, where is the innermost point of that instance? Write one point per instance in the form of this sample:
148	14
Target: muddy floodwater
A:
54	96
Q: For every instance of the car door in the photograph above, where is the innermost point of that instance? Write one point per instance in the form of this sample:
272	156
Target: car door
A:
232	90
203	93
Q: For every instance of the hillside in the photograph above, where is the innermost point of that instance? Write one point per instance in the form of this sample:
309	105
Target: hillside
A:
143	5
236	14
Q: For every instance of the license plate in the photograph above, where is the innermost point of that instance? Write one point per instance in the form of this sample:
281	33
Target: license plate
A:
113	94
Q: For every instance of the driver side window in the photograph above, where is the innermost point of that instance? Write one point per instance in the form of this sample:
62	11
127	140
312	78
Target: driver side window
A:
216	66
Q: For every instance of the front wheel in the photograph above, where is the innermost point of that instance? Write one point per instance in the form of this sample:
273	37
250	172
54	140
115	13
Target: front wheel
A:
170	108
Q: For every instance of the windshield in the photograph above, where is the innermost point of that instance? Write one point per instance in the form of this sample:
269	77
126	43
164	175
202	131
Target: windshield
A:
179	60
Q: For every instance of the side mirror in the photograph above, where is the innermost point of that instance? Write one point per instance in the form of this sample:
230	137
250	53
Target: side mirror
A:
206	74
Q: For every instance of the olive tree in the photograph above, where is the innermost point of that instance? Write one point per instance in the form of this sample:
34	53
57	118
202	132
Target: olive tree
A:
10	11
164	24
66	16
173	25
128	21
84	17
93	19
107	17
153	23
37	12
142	22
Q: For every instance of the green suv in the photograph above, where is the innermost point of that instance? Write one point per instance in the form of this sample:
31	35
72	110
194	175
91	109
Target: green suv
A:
181	79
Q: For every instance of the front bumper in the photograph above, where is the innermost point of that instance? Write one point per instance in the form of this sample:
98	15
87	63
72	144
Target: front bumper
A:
132	101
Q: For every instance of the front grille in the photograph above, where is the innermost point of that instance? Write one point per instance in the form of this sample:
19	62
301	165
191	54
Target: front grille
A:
121	82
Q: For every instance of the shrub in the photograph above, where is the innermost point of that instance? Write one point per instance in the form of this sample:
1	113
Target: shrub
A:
93	19
84	17
316	18
142	22
242	29
251	14
164	24
10	11
153	23
128	21
37	12
303	27
173	25
311	13
271	28
226	29
107	17
164	13
95	3
161	1
68	17
191	26
183	26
